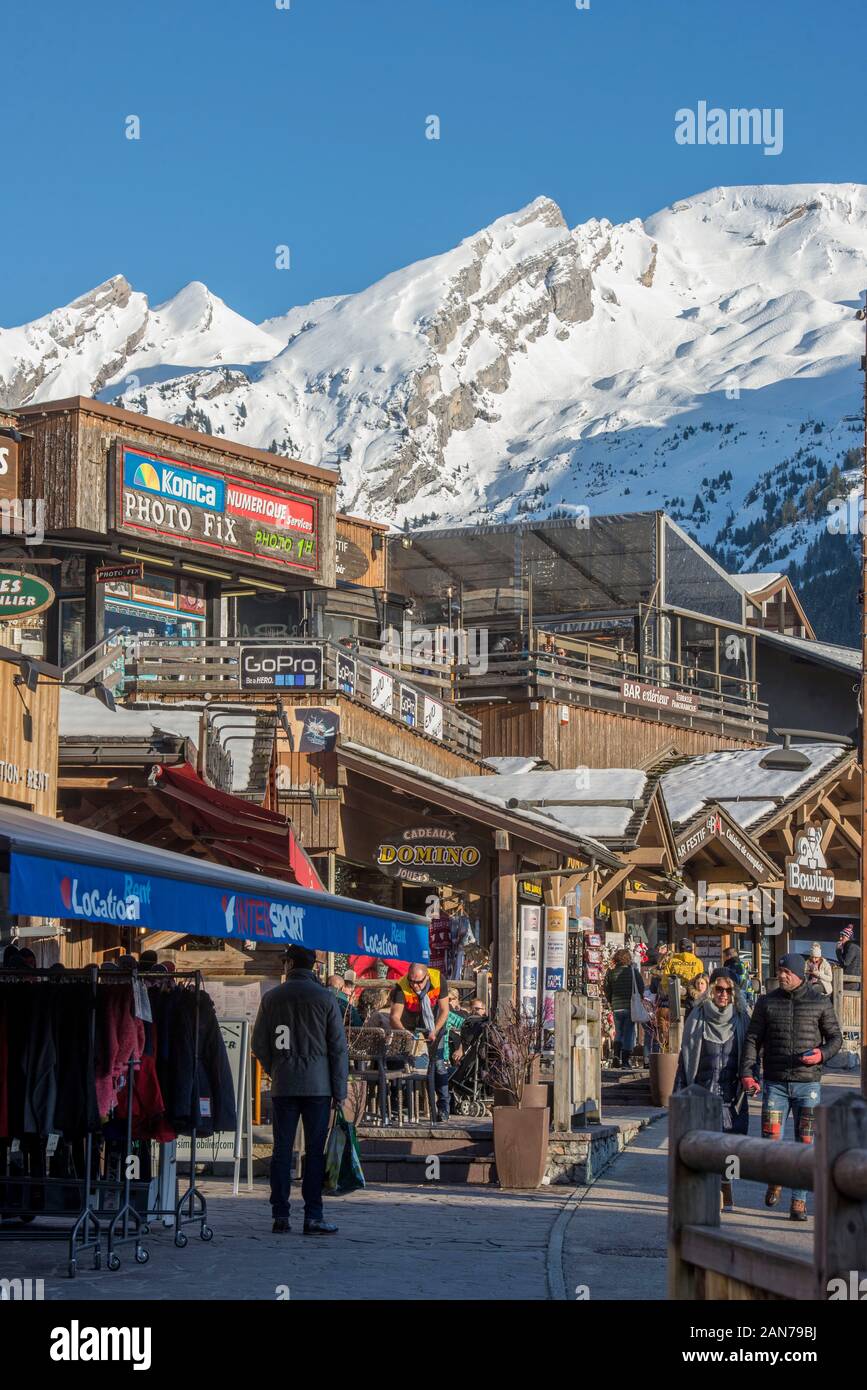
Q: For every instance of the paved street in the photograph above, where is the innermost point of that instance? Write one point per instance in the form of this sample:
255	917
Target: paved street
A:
401	1242
615	1241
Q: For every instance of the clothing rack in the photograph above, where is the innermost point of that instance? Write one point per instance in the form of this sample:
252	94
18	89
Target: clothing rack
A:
95	1217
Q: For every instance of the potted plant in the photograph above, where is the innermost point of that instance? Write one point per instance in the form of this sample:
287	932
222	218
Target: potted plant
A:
520	1110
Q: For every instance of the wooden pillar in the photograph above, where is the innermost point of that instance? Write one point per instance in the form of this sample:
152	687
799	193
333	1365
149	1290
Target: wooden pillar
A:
840	1237
507	931
693	1198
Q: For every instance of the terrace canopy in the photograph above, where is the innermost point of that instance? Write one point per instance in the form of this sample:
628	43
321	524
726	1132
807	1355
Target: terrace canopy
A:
582	564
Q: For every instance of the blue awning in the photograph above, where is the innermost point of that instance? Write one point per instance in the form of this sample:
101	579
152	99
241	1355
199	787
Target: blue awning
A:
67	871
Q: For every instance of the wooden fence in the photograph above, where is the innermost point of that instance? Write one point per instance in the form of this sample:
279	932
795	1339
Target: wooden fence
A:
577	1060
706	1262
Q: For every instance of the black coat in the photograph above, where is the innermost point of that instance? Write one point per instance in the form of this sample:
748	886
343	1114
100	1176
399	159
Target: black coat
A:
309	1056
204	1098
849	956
786	1024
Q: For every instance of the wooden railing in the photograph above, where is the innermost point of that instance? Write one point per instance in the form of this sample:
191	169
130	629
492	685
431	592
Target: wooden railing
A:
846	997
705	1262
211	666
577	1060
575	679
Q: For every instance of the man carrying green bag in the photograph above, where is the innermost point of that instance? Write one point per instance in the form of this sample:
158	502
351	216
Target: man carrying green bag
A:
343	1172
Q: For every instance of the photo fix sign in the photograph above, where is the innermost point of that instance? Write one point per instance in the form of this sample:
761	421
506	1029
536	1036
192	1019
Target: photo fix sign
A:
429	854
200	509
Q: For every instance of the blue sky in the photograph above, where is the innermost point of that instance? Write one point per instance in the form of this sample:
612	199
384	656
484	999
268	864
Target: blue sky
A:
306	127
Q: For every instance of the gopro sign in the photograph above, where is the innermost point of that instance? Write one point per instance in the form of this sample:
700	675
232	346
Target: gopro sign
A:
279	668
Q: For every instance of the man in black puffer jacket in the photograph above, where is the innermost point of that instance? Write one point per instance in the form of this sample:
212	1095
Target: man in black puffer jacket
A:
795	1030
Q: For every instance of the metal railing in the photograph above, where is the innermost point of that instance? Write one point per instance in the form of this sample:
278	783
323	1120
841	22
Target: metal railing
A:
705	1262
95	663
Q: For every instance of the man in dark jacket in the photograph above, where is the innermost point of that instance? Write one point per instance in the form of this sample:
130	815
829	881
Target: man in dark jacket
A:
849	956
300	1041
795	1030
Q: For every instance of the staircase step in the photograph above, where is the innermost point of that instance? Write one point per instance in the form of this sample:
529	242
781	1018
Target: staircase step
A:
386	1167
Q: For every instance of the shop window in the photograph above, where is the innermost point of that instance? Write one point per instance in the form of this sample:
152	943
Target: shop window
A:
266	616
72	620
156	607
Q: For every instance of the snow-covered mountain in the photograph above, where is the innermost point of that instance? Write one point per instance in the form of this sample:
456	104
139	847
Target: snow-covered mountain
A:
703	360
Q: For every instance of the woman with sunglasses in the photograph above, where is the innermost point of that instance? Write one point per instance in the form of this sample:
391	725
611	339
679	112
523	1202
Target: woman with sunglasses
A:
710	1055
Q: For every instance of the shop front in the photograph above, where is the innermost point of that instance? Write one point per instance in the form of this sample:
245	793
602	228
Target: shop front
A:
149	527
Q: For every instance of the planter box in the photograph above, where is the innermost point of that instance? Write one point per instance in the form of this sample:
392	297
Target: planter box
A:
521	1145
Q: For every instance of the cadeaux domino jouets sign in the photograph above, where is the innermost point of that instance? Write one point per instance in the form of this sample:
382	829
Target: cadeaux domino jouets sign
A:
40	887
199	509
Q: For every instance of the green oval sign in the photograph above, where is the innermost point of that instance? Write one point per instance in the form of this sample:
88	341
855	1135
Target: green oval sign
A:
22	595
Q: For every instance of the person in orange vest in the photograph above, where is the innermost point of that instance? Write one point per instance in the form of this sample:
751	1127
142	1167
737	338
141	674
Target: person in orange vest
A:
420	1004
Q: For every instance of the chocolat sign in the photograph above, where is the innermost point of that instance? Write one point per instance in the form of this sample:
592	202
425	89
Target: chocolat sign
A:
429	854
200	509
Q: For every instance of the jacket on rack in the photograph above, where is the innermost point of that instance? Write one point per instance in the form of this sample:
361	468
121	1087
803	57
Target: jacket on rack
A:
120	1035
200	1097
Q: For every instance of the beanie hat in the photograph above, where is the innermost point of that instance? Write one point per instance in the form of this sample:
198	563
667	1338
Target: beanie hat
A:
684	944
847	932
793	963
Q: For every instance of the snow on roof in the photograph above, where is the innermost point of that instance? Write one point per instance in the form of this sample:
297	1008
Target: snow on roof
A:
827	653
489	791
507	765
544	790
83	716
753	583
713	777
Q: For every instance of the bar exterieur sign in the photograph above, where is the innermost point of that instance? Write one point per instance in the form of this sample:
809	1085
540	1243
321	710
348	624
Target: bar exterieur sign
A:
657	697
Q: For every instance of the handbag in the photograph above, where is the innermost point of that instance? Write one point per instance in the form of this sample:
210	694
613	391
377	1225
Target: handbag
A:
638	1009
343	1171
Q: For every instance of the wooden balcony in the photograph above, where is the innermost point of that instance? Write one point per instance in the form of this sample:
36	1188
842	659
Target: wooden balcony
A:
164	668
596	678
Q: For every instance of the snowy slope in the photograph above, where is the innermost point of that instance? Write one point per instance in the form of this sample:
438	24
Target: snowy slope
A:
702	360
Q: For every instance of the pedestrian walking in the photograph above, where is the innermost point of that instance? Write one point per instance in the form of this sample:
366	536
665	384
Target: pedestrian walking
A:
621	982
818	970
711	1056
684	965
300	1041
794	1031
740	973
849	956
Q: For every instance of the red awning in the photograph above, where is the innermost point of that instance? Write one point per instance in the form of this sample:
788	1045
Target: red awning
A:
234	829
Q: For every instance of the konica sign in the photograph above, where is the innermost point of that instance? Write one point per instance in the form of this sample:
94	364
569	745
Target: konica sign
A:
42	887
147	473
